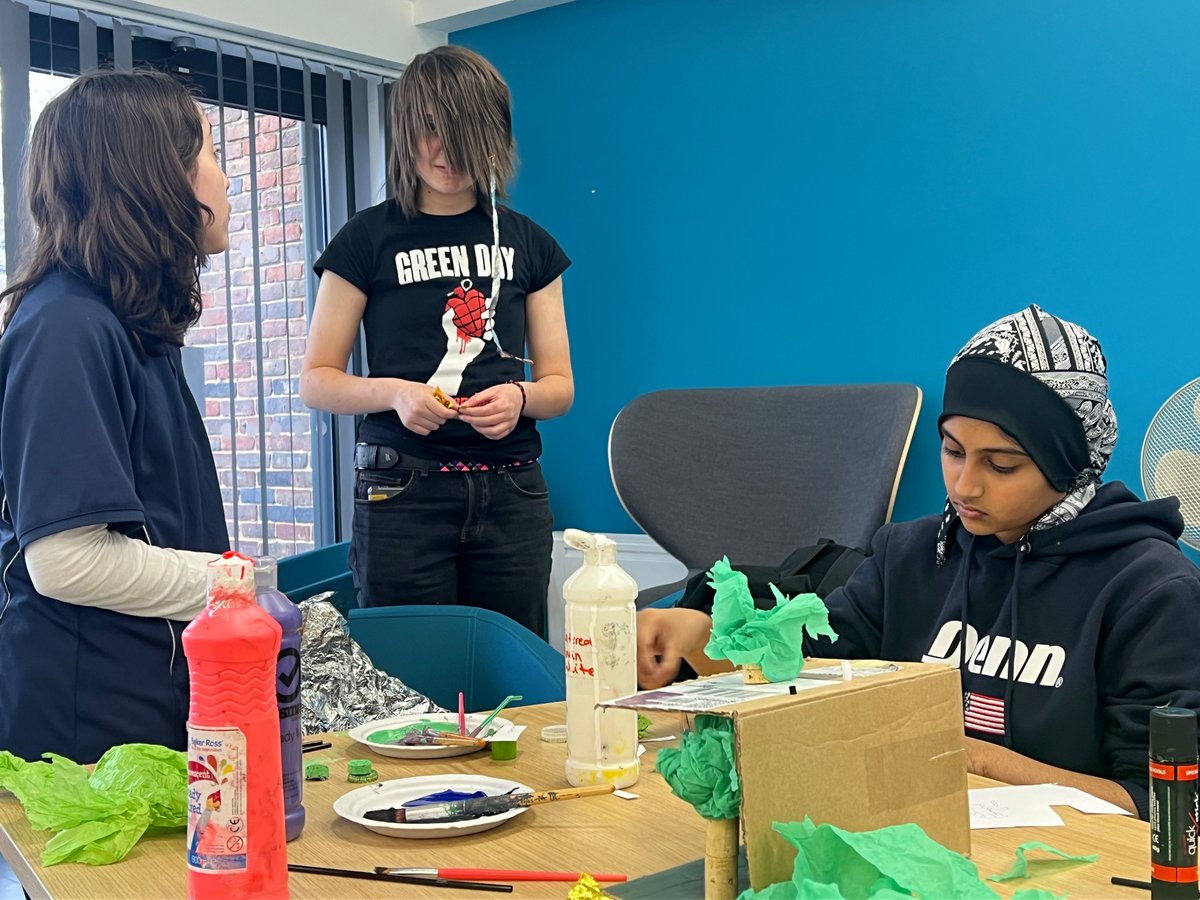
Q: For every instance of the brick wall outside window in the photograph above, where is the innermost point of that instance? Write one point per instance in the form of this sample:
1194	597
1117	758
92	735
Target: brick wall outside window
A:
229	312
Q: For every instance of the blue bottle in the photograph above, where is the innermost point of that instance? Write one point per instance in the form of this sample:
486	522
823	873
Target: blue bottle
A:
287	689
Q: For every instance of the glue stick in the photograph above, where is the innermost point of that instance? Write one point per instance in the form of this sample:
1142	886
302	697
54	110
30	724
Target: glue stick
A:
1173	803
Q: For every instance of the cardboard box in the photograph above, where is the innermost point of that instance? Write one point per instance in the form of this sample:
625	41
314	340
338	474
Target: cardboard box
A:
881	749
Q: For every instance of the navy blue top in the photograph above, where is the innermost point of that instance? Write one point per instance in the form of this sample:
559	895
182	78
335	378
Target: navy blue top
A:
1099	617
93	431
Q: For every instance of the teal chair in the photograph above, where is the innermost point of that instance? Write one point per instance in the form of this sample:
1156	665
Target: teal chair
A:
441	650
317	571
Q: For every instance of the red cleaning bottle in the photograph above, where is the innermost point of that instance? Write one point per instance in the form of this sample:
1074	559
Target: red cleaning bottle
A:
236	845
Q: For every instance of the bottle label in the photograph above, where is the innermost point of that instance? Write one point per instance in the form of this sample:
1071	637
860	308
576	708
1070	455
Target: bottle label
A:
216	836
1174	810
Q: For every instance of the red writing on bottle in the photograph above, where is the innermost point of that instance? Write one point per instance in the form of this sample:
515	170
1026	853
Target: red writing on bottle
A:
575	664
574	640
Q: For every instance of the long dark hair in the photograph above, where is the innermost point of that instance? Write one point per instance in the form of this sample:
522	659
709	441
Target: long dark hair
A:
458	94
109	185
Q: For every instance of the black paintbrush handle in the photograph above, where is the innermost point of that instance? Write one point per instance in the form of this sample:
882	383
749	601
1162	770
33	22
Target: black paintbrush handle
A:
403	879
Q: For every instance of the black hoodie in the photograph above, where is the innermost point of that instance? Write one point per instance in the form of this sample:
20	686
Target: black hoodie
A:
1104	613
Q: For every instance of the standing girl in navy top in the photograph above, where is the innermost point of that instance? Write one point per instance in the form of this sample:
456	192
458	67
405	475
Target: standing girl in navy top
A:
452	291
111	508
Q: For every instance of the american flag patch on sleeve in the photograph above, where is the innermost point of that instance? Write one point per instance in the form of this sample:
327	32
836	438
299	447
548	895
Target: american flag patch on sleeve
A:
983	713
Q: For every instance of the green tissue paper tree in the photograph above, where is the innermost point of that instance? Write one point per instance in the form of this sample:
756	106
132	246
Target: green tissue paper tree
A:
771	639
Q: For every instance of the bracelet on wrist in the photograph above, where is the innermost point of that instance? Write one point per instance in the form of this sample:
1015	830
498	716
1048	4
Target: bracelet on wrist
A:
524	396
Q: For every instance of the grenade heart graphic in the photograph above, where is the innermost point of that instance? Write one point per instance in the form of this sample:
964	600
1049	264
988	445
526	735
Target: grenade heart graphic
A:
469	305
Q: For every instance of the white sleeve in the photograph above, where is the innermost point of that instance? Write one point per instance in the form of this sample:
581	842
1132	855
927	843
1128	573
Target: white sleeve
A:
92	566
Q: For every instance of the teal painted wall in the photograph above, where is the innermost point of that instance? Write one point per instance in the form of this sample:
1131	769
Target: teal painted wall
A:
813	191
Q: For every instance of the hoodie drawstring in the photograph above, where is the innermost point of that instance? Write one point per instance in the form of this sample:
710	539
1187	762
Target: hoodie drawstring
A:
1014	595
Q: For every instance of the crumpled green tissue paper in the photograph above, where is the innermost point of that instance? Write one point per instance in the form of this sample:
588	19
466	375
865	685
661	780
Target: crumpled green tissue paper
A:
1028	868
702	771
100	815
770	638
885	864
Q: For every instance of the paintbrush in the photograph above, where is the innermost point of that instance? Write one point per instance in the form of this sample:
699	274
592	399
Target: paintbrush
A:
398	878
440	738
458	810
511	698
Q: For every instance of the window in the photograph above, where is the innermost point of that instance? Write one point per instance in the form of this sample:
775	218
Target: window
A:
301	142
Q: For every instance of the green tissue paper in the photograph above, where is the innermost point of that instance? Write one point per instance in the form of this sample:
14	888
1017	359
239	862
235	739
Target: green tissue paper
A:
770	638
702	771
1028	868
885	864
100	815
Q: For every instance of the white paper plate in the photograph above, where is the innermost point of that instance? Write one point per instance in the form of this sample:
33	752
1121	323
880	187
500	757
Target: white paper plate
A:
363	734
398	791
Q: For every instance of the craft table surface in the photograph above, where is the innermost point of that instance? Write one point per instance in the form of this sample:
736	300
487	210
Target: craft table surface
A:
605	834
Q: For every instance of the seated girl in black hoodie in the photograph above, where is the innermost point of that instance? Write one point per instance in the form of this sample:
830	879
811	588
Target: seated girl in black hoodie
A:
1033	566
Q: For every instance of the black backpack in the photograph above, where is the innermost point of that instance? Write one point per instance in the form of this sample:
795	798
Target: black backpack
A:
807	570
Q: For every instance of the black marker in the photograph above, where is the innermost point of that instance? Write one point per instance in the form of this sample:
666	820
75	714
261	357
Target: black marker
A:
1174	801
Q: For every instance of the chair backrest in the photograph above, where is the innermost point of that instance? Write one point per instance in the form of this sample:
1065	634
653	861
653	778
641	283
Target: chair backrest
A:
316	571
754	473
441	650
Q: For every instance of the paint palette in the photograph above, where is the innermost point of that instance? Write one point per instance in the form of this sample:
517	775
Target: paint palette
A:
383	736
399	791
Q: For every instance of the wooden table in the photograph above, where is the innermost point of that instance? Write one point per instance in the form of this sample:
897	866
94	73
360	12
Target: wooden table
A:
606	834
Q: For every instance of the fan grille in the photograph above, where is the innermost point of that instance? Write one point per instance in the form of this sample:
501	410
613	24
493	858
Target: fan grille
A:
1171	457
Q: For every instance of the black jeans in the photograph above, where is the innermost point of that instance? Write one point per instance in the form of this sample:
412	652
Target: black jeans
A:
471	538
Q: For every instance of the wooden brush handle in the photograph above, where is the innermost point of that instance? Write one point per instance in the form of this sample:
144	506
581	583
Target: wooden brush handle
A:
592	790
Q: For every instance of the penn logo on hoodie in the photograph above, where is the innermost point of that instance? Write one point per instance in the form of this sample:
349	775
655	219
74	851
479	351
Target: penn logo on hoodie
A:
994	654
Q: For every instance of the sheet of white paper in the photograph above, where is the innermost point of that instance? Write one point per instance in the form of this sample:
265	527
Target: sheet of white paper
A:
1000	808
1031	804
506	733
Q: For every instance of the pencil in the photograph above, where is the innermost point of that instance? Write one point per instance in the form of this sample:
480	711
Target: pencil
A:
402	879
1130	882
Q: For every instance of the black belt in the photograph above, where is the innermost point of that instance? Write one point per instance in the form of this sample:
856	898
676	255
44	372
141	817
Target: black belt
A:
379	456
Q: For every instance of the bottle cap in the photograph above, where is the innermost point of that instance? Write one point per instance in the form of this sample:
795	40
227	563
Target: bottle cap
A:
316	772
554	734
504	749
1172	733
359	767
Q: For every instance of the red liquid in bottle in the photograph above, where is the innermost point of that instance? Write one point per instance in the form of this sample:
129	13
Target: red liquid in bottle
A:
236	844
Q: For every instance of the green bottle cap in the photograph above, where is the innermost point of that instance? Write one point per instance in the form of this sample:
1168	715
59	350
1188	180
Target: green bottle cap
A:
359	767
504	749
316	772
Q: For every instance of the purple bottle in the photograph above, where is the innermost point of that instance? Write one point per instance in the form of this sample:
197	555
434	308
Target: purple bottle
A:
287	689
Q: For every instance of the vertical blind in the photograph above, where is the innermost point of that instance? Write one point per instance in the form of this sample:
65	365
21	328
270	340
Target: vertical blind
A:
302	142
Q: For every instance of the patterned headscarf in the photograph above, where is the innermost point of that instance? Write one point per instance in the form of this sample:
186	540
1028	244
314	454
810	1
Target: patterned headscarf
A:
1068	361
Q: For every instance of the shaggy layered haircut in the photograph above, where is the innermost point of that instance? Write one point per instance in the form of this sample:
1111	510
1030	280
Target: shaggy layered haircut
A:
459	95
109	183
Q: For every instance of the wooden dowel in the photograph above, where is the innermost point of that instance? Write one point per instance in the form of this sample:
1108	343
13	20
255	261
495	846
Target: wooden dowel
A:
721	859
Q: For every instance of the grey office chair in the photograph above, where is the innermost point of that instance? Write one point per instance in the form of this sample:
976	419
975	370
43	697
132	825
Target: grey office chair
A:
754	473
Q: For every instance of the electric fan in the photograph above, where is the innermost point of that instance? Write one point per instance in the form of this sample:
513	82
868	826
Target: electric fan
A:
1171	457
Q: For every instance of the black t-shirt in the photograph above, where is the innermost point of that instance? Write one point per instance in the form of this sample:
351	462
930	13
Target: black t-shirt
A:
427	282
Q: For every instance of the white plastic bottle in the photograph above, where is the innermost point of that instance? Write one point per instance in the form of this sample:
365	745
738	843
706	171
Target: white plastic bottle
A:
601	658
